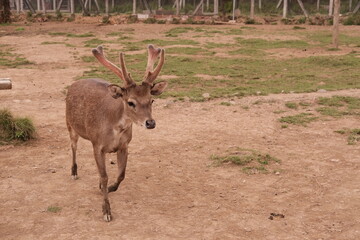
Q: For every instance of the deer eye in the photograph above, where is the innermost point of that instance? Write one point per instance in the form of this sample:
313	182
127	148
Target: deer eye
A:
131	104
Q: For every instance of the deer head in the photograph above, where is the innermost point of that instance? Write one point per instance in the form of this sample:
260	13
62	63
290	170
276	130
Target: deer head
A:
137	98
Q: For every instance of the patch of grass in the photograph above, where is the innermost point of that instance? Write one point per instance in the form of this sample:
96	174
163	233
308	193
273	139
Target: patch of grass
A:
188	51
162	43
339	105
298	28
54	209
15	128
93	43
49	43
339	101
57	33
234	31
331	111
83	35
291	105
179	30
88	59
19	29
299	119
353	135
225	103
326	38
11	60
304	104
248	52
257	43
250	159
279	111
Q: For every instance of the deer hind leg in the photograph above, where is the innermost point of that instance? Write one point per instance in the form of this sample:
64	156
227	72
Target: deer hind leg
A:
122	155
100	162
74	137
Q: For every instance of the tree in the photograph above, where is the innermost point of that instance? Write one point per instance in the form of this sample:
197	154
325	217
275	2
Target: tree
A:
336	24
5	11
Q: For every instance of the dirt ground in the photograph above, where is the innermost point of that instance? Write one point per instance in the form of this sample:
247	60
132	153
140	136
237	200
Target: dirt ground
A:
171	190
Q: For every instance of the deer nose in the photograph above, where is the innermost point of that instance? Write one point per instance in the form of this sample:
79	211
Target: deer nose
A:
150	124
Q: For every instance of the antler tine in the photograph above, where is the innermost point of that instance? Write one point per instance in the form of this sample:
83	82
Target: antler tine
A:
127	75
151	75
99	54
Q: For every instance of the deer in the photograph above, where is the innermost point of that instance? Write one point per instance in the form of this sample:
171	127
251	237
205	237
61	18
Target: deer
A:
103	113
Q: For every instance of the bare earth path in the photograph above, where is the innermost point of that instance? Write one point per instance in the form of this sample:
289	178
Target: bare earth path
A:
171	190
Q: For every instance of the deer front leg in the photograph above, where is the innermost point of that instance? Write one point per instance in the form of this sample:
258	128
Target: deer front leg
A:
100	162
122	155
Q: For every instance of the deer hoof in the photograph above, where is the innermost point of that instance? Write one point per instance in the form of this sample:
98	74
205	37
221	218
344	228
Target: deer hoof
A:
74	177
107	217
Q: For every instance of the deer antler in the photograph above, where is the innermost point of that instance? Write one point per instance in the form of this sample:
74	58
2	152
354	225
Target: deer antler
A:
150	74
122	73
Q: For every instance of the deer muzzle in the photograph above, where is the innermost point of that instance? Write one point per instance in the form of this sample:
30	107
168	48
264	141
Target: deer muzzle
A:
150	124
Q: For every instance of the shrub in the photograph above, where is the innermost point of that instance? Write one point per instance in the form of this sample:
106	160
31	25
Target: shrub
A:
15	128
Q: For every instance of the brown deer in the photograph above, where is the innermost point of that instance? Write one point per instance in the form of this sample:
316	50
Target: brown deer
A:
103	113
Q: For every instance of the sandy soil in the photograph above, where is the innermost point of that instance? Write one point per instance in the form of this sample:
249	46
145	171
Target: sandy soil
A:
171	190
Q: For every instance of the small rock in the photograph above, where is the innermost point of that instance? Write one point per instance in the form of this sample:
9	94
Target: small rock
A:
277	173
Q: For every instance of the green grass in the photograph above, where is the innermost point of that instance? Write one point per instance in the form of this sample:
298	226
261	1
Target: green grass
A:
331	111
54	209
257	43
337	106
57	33
225	103
326	38
19	29
11	60
252	161
49	43
299	119
291	105
12	129
246	65
93	43
353	135
188	51
83	35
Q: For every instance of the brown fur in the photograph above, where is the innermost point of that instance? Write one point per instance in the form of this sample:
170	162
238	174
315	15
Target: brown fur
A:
103	113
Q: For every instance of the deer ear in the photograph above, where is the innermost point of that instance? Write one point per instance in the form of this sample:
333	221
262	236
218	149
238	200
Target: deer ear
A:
158	88
116	91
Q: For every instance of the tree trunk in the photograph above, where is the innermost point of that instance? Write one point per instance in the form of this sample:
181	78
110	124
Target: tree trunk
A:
331	7
216	7
5	11
303	8
107	7
285	8
318	5
177	7
260	4
356	8
44	6
336	24
252	9
134	7
350	5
